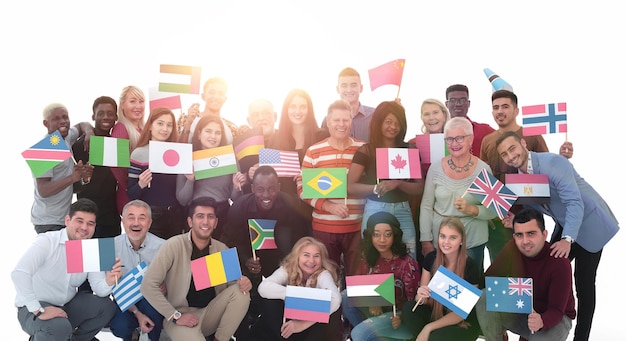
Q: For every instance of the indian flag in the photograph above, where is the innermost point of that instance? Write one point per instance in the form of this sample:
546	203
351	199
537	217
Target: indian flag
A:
208	163
109	151
432	147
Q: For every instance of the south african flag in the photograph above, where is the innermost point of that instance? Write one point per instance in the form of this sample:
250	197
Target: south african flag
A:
262	233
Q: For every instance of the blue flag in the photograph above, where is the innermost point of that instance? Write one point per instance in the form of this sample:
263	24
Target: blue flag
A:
453	292
126	291
509	294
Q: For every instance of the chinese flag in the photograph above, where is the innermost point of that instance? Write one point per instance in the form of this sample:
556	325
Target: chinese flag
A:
388	73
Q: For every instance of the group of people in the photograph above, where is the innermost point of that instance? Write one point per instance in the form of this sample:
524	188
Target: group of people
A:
406	227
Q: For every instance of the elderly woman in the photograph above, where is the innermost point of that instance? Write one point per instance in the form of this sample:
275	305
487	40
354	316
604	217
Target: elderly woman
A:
445	192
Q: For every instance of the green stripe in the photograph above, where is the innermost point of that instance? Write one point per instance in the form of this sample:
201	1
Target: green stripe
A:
123	153
96	150
213	172
172	87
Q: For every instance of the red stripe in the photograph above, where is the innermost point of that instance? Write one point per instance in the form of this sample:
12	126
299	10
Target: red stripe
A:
306	315
414	163
365	279
526	179
46	154
200	272
74	256
562	107
532	131
382	167
172	102
534	109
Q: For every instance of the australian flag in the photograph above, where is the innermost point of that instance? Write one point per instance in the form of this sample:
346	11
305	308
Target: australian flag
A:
509	294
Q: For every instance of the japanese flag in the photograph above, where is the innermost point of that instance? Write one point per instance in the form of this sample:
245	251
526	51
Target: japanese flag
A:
170	157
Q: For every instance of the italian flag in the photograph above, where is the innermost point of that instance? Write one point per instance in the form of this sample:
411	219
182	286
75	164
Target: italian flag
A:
432	147
109	151
208	163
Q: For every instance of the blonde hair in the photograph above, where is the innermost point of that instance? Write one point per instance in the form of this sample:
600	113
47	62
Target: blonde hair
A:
294	273
133	134
52	107
441	106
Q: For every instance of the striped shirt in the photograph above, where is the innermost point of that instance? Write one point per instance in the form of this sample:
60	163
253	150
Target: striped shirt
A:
323	155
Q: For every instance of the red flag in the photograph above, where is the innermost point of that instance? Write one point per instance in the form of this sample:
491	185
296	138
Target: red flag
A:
388	73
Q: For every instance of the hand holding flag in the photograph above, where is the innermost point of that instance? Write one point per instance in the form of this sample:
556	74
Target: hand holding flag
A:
126	292
47	153
492	193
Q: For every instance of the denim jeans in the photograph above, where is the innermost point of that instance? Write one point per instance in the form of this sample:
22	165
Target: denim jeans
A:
402	212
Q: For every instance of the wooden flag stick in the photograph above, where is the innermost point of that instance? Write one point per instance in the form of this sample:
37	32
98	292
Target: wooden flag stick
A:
394	310
416	304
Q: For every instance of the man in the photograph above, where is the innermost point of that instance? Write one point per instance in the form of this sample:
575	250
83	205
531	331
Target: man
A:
265	202
54	188
261	115
349	88
336	222
137	245
584	221
191	314
103	186
458	103
49	306
214	96
552	298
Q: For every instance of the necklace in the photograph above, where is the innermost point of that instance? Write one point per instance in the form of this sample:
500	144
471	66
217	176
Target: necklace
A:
457	169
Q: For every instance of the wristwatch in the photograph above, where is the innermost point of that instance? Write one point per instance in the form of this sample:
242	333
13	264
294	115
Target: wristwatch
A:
176	316
568	239
135	311
39	311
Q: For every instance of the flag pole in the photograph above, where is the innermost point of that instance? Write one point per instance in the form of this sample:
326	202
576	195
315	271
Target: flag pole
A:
252	246
394	310
416	304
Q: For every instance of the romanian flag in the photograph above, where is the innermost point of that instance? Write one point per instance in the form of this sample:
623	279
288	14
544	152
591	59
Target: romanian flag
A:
215	269
47	153
109	151
370	290
529	188
164	99
324	183
509	294
247	147
180	78
544	119
262	233
398	163
432	147
170	157
388	73
208	163
453	292
307	304
126	292
90	255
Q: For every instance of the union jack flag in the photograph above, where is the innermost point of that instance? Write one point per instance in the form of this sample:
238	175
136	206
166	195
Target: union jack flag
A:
521	286
544	119
492	193
509	294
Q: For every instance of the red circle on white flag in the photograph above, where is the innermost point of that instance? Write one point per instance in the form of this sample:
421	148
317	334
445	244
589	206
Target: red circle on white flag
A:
171	157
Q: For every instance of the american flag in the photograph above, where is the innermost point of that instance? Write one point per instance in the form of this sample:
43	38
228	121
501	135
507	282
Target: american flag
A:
544	119
286	163
492	193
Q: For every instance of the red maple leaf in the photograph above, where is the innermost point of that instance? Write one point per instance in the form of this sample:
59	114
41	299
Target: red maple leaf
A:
398	163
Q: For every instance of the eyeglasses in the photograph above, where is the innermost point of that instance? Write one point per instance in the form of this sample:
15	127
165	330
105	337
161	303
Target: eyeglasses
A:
458	100
457	139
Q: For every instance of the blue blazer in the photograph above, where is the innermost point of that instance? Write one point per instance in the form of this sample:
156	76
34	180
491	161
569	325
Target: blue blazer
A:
574	204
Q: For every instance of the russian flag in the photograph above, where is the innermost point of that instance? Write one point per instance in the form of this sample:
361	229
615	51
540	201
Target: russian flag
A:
90	255
308	304
398	163
215	269
529	188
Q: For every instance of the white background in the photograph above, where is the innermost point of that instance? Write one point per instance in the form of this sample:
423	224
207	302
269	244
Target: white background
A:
549	51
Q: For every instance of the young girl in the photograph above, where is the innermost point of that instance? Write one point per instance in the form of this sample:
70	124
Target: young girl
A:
431	321
307	265
384	252
158	190
209	133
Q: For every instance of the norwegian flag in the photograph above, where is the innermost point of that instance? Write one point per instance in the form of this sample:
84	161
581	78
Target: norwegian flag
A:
544	119
492	193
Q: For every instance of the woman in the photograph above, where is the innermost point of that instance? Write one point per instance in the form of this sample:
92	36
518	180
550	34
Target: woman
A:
445	192
209	134
431	321
387	130
307	265
383	253
130	123
157	190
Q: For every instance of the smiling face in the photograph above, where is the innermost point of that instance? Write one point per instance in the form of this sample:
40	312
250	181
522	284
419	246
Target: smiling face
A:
391	127
214	97
162	128
514	153
133	108
504	112
136	222
202	223
104	118
265	188
310	260
450	240
529	238
433	118
261	114
297	110
349	88
382	239
459	149
211	135
59	120
81	225
458	103
339	123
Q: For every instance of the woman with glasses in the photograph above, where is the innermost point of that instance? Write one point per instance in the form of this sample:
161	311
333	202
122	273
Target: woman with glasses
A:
445	192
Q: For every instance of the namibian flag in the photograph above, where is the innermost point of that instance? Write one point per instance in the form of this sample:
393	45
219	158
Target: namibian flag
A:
398	163
180	78
47	153
90	255
262	233
215	269
370	290
109	151
432	147
324	183
208	163
307	304
529	188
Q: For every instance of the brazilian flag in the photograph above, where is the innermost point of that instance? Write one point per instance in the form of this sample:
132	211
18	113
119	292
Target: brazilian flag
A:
324	183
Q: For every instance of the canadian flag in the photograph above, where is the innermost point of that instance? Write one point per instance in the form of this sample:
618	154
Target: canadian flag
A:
398	163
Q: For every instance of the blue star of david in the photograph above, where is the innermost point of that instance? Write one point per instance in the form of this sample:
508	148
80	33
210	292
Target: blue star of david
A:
453	291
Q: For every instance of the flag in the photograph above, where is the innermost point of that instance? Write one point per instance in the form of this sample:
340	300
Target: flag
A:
388	73
126	291
370	290
492	193
496	81
46	154
170	157
109	151
398	163
286	163
262	233
544	119
164	99
89	255
453	292
432	147
180	78
509	294
247	146
307	304
324	183
215	269
208	163
529	188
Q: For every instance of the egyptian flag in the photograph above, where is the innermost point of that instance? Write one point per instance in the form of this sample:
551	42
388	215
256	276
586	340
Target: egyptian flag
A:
529	188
